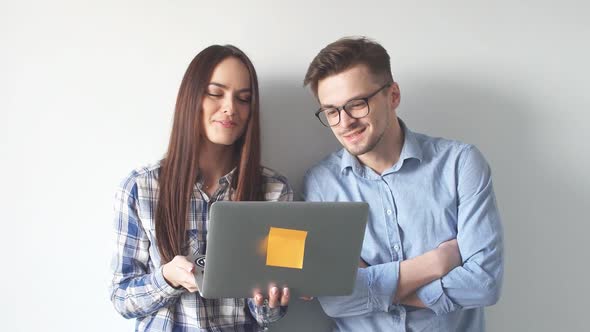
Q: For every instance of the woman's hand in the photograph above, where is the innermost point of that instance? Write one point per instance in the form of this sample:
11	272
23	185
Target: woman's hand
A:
276	297
179	272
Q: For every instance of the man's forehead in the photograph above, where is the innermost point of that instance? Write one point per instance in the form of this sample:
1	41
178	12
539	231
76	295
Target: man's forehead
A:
351	83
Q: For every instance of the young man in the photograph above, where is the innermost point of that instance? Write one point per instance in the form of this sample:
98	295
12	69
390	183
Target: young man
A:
432	254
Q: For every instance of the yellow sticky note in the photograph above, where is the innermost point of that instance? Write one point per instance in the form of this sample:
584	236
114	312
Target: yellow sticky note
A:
286	247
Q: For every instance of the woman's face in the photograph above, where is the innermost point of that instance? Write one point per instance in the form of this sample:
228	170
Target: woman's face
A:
226	104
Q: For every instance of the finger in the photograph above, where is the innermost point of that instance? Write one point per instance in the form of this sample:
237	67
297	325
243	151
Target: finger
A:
362	263
186	265
285	297
190	286
187	280
191	283
192	289
184	270
258	299
273	298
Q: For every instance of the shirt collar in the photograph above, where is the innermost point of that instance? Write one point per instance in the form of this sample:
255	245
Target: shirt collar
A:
410	149
350	161
224	181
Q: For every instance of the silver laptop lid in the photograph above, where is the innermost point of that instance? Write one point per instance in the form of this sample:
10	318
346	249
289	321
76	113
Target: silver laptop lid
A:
241	257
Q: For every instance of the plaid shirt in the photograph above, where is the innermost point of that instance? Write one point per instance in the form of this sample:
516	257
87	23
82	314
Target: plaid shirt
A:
139	289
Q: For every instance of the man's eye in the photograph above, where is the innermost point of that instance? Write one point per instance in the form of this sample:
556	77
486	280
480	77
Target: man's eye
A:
355	105
331	113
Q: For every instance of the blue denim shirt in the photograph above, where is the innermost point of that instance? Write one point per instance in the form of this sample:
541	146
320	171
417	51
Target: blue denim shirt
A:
438	190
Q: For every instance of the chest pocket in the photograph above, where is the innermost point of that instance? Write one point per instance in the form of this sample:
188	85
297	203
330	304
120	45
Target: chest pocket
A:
196	236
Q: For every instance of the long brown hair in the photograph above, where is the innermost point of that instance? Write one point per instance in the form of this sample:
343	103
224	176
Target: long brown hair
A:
180	167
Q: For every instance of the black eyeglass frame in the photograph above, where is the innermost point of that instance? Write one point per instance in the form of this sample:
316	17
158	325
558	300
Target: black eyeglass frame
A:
343	107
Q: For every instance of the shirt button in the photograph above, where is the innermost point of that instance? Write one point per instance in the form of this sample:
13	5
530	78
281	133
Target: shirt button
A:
388	212
396	247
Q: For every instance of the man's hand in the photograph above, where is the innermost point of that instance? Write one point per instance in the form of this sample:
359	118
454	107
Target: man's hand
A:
275	298
180	272
413	300
363	264
420	270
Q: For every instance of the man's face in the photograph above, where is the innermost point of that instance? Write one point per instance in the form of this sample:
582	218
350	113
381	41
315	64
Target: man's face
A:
359	136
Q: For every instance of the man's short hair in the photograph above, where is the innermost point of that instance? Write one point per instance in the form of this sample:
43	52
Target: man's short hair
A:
345	53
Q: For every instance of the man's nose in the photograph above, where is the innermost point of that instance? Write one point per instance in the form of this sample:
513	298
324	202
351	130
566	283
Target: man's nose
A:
345	119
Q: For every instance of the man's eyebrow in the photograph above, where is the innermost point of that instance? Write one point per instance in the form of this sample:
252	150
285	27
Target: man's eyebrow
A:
358	96
327	106
225	87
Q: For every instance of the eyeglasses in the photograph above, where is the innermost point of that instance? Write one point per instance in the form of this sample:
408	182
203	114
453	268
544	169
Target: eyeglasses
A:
355	108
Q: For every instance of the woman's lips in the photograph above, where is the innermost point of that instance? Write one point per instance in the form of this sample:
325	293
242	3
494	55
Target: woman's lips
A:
226	124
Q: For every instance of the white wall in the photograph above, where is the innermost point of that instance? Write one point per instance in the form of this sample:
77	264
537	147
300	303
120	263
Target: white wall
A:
87	91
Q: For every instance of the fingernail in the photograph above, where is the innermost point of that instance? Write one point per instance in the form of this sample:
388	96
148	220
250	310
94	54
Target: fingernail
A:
274	291
285	291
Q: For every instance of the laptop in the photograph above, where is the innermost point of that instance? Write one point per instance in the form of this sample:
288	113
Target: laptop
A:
311	247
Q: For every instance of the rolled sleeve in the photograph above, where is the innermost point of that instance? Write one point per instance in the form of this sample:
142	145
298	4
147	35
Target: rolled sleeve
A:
383	285
374	289
477	282
430	292
434	297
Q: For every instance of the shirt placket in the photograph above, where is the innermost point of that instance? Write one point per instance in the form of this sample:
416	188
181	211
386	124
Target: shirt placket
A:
396	248
390	217
222	193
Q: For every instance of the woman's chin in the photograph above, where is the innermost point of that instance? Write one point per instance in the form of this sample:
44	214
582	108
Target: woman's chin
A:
227	141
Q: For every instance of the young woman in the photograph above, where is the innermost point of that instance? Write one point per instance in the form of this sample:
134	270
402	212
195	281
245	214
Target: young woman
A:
162	210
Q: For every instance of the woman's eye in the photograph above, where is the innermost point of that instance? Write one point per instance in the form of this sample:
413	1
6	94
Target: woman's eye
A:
244	99
214	94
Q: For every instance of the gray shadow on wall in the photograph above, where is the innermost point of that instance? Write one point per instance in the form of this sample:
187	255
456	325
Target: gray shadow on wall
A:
539	205
292	137
292	141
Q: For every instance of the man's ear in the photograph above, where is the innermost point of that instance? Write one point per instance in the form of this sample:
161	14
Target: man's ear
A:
393	94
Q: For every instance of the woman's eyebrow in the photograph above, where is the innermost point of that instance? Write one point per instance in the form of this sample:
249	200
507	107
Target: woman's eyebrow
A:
226	87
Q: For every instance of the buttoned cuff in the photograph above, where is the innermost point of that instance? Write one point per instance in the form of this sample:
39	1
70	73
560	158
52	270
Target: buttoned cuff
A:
383	279
266	315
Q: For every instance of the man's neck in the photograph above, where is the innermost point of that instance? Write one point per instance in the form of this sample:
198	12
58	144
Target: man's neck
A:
387	152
